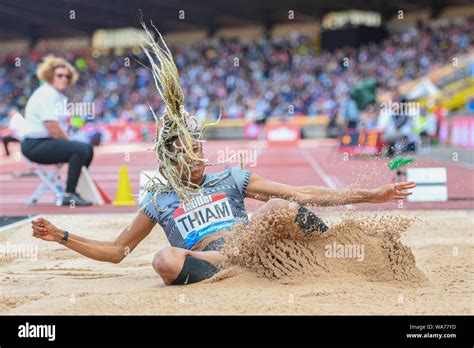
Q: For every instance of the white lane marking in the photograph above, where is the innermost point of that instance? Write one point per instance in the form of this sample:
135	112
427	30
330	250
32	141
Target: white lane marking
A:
16	223
322	174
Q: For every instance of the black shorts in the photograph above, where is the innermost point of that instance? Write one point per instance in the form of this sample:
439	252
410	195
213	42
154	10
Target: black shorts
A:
216	245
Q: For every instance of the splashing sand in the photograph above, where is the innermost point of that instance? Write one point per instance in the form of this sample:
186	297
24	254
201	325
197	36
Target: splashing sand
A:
274	247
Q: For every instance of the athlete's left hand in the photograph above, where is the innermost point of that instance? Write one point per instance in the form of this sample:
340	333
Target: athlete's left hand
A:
391	192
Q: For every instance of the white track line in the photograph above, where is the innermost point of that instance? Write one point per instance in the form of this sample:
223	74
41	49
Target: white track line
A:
322	174
16	224
318	170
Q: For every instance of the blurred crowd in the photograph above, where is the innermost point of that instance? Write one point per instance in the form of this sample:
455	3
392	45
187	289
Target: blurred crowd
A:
244	79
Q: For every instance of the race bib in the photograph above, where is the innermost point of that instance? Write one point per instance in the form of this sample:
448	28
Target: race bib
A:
202	216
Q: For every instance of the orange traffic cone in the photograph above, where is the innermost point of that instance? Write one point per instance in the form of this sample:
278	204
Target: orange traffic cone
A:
124	192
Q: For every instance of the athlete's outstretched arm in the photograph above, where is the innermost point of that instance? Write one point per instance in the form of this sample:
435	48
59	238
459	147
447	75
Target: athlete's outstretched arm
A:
113	252
262	189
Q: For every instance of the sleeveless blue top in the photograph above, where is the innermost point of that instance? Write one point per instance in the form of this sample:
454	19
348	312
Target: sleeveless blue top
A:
219	207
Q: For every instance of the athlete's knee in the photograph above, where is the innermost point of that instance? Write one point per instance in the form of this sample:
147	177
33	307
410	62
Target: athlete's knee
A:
165	263
274	203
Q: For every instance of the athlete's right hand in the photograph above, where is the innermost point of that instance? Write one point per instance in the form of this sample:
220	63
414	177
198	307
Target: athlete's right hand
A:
45	230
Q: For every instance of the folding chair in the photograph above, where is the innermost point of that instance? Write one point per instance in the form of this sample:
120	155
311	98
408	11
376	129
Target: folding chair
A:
50	181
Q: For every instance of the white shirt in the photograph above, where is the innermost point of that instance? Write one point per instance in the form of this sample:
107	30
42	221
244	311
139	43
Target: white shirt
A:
17	126
45	104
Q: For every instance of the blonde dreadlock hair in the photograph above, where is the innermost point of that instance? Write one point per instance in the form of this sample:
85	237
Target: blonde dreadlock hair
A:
174	124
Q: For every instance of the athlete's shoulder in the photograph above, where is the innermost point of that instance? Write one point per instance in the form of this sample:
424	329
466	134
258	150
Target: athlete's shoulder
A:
147	205
213	178
154	202
241	177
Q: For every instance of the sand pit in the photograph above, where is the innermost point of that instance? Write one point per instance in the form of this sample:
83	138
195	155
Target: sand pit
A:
365	264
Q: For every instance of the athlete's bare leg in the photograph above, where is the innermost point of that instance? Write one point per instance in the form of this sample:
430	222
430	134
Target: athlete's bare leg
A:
276	203
169	261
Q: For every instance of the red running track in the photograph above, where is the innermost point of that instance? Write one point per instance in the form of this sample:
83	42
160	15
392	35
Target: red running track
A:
313	162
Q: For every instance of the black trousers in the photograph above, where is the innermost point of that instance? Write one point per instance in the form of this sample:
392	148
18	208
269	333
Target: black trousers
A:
6	140
52	151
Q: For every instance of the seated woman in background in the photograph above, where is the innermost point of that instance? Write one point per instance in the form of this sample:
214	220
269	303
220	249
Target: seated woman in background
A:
45	140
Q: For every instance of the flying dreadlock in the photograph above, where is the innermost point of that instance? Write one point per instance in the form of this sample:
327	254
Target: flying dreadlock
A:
176	129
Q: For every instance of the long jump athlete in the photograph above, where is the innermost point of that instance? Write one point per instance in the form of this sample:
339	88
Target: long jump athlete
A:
198	210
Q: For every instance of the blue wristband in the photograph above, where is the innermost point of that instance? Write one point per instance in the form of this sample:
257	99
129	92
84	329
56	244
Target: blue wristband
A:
65	238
